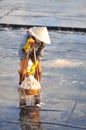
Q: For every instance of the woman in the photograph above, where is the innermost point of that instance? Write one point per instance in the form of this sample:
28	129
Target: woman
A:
32	47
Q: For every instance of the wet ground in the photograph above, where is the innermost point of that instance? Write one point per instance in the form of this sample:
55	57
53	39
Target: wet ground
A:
63	95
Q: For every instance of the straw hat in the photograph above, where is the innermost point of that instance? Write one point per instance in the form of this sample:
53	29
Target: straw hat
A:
40	33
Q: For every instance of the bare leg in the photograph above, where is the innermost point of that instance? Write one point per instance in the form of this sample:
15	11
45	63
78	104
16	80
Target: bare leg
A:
37	99
38	72
22	70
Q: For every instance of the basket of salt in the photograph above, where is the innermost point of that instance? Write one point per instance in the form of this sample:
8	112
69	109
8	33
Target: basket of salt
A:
30	86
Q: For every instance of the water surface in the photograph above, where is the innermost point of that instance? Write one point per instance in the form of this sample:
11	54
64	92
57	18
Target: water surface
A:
63	94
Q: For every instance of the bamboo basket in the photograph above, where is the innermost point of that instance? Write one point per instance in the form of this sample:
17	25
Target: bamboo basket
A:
28	92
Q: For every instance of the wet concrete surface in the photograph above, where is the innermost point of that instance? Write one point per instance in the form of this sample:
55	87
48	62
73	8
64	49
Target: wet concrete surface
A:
67	13
63	95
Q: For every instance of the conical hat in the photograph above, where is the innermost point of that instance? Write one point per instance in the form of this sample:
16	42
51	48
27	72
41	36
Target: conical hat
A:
40	33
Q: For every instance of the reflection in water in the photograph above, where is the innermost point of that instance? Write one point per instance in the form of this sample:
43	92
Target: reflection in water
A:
30	118
29	112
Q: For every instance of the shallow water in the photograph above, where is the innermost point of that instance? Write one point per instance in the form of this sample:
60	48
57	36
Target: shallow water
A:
63	94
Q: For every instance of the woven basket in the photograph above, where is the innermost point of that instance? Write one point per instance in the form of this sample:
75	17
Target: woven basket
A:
28	92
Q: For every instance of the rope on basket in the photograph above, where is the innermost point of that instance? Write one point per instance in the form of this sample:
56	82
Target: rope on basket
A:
27	57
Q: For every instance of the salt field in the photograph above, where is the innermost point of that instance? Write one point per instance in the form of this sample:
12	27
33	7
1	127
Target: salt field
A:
63	94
